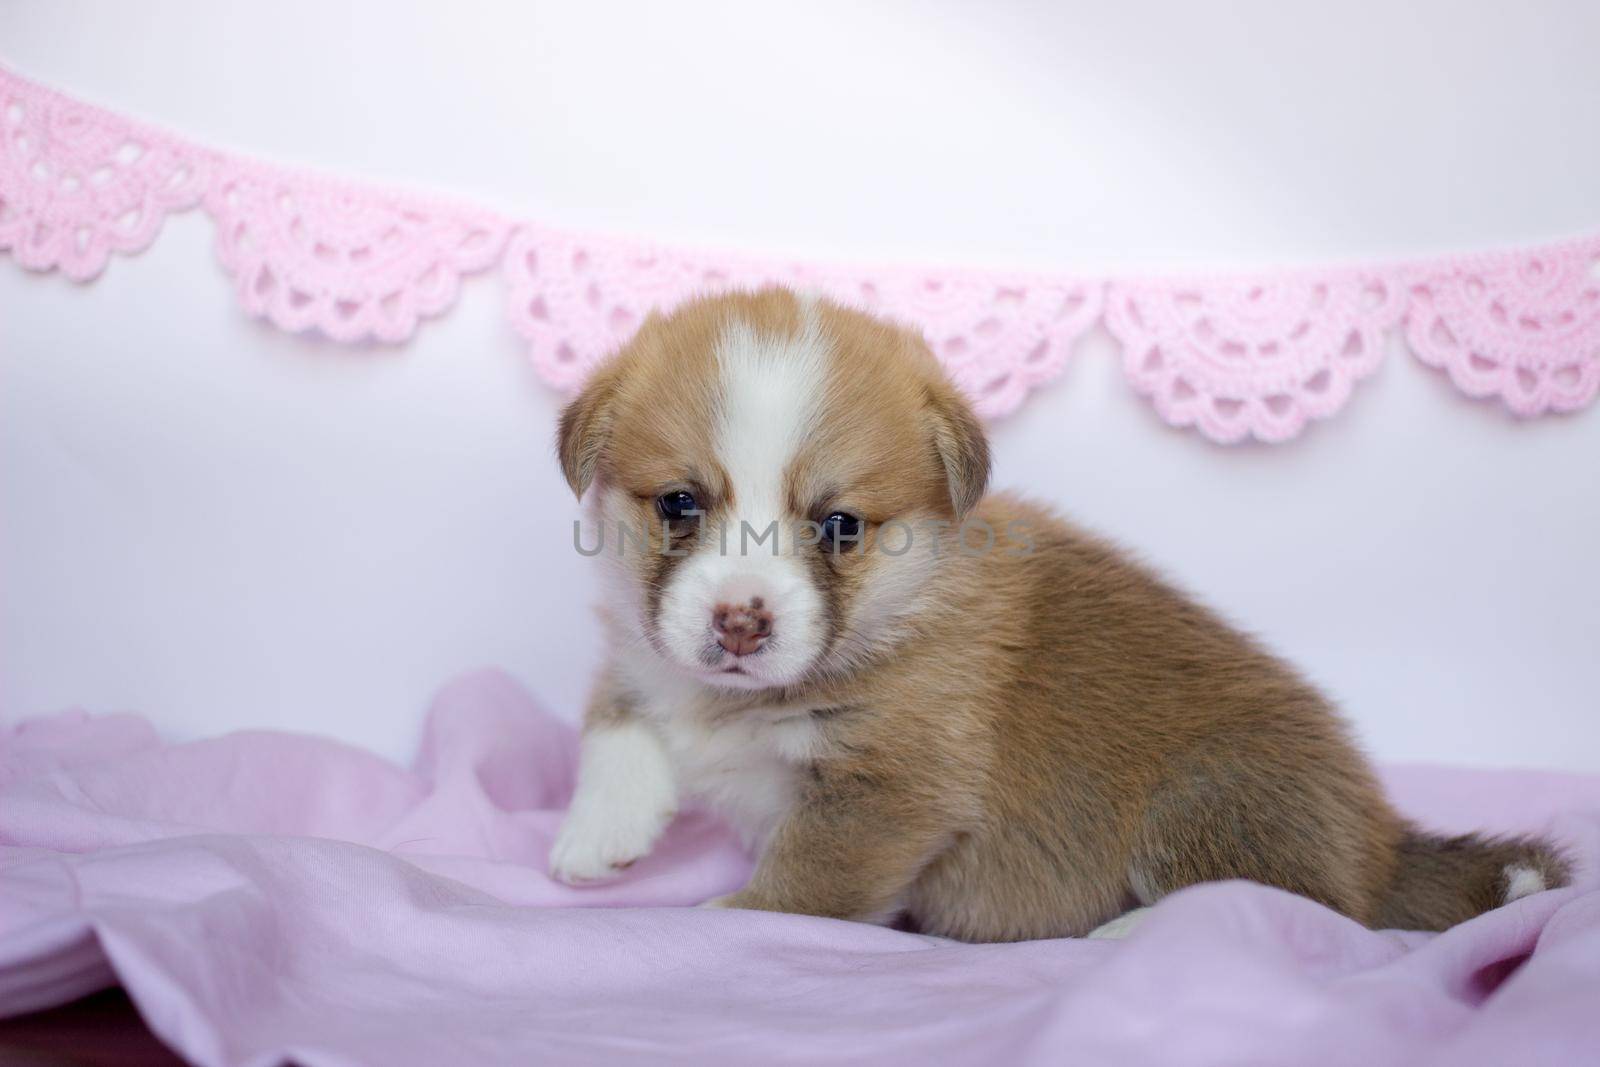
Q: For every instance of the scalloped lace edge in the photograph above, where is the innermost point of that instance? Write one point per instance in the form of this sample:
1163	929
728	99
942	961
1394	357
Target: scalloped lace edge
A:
1237	356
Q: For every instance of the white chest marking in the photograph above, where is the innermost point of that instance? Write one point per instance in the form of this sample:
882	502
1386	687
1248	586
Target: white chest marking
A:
746	769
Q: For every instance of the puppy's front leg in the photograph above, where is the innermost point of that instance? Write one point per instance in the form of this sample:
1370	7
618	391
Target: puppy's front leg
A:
849	849
626	796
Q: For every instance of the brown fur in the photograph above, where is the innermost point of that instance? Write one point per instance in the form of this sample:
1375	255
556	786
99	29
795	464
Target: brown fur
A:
1055	735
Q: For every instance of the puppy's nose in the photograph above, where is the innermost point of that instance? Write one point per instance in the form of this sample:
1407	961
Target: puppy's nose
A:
741	628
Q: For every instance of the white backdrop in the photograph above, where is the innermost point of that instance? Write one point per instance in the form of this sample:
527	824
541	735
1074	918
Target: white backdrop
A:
221	526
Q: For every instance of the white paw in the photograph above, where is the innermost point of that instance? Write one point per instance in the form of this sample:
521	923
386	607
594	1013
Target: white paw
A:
1121	926
599	842
626	796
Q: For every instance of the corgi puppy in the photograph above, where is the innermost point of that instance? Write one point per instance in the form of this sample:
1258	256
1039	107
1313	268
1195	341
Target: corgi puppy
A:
917	700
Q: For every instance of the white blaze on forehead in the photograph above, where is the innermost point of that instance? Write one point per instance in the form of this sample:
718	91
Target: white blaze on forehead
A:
771	397
771	390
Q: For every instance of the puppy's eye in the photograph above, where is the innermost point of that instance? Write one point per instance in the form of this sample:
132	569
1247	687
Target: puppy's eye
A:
677	505
840	531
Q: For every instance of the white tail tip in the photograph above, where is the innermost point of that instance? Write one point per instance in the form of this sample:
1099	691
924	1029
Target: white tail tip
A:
1522	882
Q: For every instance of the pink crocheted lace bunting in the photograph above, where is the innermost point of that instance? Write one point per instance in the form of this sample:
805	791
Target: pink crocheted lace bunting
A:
1523	325
78	183
1252	357
577	298
1243	356
353	262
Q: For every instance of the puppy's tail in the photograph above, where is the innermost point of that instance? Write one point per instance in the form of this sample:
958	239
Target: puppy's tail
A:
1440	881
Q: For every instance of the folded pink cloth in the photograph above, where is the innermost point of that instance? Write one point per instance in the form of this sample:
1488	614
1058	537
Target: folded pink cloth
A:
268	898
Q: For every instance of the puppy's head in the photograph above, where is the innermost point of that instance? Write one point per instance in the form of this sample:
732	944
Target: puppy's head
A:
773	477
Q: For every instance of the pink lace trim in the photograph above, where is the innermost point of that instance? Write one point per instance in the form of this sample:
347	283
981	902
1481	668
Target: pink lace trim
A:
1523	326
78	183
1237	356
353	262
1252	357
576	299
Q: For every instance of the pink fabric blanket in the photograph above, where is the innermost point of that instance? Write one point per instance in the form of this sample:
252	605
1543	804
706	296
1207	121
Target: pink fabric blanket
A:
268	898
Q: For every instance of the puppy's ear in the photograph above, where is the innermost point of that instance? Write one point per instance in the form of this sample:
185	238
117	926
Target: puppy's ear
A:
586	425
963	449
